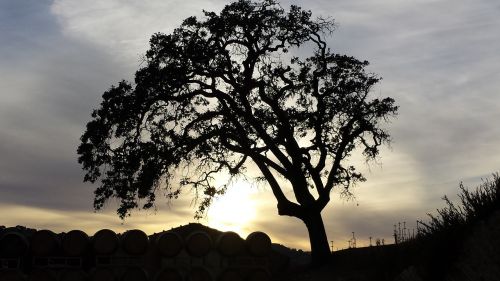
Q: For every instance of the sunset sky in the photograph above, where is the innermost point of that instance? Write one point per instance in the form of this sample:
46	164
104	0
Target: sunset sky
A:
439	59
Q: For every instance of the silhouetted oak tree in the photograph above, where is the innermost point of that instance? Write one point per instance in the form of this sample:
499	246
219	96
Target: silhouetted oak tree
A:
219	94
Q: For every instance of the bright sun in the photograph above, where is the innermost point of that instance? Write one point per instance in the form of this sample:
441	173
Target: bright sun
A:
235	210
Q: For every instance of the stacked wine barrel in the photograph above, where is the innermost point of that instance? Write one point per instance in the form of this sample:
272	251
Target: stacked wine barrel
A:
189	253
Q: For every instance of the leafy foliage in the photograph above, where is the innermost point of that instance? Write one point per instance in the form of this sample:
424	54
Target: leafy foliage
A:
222	92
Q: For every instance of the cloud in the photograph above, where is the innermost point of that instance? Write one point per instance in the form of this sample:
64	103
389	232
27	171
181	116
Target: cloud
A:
439	60
25	27
123	28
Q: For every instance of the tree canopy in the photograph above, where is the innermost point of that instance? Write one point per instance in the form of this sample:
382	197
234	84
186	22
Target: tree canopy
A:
231	90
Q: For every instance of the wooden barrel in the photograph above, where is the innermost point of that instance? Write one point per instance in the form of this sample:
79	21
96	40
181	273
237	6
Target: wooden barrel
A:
104	242
169	244
12	275
44	243
199	273
73	275
259	274
230	274
258	244
135	242
102	274
230	244
75	243
42	275
169	274
13	244
198	244
134	274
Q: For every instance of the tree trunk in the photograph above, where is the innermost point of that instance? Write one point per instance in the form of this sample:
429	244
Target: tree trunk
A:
320	249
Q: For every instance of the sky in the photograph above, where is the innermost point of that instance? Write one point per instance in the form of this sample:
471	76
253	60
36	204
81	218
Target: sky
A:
439	59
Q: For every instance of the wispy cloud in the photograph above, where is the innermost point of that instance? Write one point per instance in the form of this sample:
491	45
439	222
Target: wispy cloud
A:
123	28
439	60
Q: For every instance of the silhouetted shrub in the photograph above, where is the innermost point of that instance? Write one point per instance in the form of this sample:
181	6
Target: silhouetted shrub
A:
475	206
440	241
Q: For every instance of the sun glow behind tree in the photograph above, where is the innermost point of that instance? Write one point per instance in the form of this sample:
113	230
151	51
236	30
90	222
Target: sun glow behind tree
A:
235	211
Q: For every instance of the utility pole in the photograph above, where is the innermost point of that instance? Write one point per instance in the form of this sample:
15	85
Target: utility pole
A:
399	231
404	232
331	245
396	235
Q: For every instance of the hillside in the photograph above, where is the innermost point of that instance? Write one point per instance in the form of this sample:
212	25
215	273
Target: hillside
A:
461	243
476	257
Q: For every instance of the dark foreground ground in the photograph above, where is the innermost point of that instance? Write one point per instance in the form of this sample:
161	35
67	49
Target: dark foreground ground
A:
470	254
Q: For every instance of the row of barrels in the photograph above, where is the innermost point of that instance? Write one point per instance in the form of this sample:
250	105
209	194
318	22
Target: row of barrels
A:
133	255
196	273
76	243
